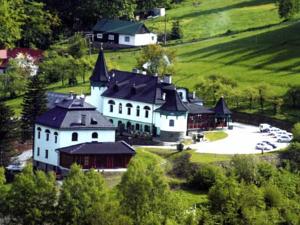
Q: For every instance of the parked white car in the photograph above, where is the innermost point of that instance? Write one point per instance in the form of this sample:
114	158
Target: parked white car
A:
263	146
273	145
284	139
264	127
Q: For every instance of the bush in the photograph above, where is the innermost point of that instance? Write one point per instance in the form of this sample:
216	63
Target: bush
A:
182	167
296	132
205	177
293	154
176	32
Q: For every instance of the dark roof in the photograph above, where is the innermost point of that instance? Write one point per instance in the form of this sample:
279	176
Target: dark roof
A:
119	27
134	87
173	102
197	109
221	107
72	114
100	73
54	98
99	148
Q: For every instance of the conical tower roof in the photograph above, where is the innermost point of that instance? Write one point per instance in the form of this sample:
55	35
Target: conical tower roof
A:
221	107
100	73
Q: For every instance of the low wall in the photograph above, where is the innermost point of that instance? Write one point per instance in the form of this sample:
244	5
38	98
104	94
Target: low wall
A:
256	119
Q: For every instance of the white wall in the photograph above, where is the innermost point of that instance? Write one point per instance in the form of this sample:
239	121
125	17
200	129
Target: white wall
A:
124	115
64	140
95	98
123	42
145	39
182	92
180	122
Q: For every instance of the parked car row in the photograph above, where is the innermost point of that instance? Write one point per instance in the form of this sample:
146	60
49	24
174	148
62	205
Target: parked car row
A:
280	136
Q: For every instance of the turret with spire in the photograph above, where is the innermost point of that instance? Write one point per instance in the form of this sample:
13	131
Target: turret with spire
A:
99	81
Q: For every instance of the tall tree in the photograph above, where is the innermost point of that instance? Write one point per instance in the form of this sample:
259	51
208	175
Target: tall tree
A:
3	194
288	8
143	5
7	134
84	199
34	104
11	20
32	198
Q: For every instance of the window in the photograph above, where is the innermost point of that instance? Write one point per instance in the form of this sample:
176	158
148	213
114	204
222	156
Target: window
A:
46	154
137	111
38	151
55	137
171	123
152	38
137	126
147	108
120	108
74	136
39	132
129	106
127	39
147	128
111	105
86	161
47	134
128	125
111	37
111	121
100	36
95	135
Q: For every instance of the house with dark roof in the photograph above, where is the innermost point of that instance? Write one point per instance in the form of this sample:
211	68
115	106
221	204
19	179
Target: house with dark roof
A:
136	102
73	131
123	33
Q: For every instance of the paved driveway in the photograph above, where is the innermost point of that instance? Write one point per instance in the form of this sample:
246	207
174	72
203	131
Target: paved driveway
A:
241	140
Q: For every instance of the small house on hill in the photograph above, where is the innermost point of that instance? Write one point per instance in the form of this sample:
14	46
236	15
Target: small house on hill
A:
123	33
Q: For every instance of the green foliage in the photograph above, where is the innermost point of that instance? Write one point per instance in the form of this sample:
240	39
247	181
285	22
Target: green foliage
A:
288	8
150	4
294	155
78	46
296	132
32	198
292	96
3	194
181	165
7	134
205	177
34	104
245	167
176	32
161	60
147	199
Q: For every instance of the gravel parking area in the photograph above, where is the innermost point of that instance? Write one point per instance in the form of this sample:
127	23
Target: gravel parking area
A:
241	140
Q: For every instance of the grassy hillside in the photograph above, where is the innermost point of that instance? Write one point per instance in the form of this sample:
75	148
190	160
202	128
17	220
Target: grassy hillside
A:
207	18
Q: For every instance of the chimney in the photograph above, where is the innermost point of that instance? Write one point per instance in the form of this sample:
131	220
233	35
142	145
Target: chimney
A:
82	100
167	79
194	94
83	119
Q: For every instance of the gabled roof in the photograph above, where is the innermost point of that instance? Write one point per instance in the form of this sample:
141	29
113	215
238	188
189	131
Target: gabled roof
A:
119	27
173	102
73	114
221	107
100	73
99	148
197	109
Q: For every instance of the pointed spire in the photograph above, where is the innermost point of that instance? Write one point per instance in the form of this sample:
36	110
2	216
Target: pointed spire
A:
100	73
173	102
221	107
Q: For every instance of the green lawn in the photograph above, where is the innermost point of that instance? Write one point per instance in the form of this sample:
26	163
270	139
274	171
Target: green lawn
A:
211	18
215	135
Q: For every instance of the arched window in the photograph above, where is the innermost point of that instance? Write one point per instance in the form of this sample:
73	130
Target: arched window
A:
55	137
120	108
129	106
146	108
39	132
95	135
47	134
111	105
128	125
138	111
171	123
137	126
147	128
74	136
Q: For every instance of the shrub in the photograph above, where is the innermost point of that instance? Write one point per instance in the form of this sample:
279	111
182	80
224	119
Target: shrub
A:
182	167
293	155
205	177
296	132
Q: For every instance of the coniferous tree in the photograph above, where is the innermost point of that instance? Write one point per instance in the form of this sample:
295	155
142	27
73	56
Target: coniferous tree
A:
34	104
176	32
288	8
7	134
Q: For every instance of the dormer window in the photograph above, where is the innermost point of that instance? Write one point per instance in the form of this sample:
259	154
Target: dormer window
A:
93	121
129	106
47	134
94	135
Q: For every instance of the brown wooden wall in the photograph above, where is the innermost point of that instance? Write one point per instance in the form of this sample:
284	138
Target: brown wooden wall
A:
95	161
